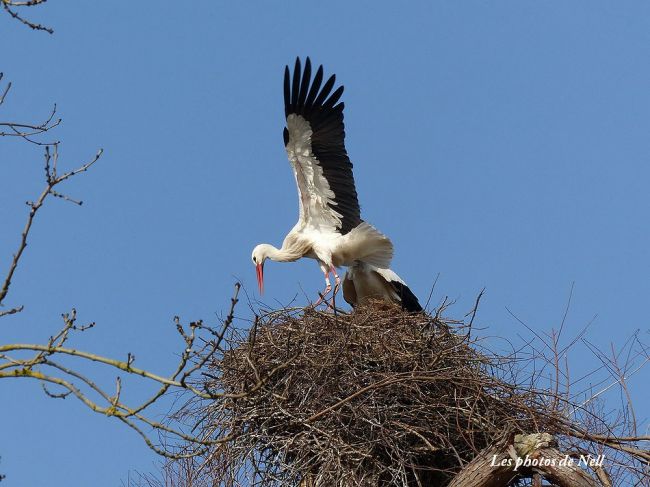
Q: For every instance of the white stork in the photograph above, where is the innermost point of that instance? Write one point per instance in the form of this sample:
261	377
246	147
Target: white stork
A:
329	228
364	281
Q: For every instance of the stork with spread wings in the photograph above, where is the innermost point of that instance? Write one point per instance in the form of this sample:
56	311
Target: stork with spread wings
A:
329	228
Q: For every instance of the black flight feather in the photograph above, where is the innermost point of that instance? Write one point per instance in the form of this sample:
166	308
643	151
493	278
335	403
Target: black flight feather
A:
409	300
315	86
306	97
295	90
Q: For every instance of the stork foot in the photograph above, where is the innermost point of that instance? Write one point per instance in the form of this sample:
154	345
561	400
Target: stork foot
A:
328	288
330	302
321	296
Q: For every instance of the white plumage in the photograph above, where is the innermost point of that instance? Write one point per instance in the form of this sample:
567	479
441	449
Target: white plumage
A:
364	281
329	227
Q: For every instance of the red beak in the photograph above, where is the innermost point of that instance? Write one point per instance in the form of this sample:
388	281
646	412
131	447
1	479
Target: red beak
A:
260	277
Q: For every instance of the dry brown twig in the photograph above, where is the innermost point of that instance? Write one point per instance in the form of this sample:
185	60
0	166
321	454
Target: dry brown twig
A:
52	180
12	6
27	131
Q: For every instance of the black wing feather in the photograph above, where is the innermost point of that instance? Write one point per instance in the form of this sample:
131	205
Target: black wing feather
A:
327	87
287	92
295	90
315	86
409	300
331	101
305	97
304	84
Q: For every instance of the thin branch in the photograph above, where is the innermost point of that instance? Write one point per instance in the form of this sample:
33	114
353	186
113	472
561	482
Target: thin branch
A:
7	4
52	180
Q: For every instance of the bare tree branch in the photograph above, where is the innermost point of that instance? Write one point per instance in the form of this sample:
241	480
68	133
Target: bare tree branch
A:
11	6
52	180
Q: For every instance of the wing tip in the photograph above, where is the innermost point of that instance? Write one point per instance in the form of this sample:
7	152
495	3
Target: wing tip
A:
304	93
409	300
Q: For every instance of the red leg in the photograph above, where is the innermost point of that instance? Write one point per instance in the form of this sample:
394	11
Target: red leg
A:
328	287
337	280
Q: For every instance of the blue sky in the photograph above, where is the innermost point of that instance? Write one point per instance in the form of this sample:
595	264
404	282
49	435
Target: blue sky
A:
499	144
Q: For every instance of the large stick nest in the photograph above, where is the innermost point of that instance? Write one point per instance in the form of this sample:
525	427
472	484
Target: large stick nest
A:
377	397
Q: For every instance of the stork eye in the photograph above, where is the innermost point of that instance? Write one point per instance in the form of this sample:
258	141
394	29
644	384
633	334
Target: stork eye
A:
255	260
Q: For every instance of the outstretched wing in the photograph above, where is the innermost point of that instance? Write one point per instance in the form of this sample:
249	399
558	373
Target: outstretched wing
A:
314	139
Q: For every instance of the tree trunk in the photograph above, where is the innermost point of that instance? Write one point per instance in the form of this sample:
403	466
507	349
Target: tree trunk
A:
530	454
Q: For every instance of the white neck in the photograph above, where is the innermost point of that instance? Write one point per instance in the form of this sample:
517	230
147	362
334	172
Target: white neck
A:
280	255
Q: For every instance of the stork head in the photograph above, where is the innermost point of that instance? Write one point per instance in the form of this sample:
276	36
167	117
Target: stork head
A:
260	254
